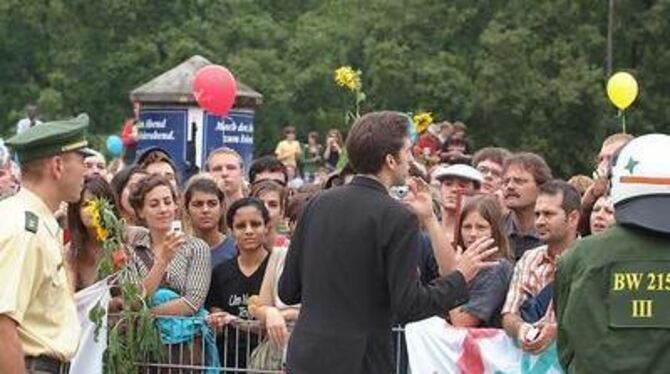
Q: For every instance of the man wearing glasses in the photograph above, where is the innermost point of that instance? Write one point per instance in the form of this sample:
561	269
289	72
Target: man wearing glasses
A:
490	161
523	174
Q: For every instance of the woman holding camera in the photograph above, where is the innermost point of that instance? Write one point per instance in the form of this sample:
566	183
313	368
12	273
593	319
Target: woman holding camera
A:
164	256
333	149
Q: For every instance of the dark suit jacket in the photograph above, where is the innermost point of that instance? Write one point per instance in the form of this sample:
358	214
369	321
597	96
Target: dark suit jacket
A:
353	264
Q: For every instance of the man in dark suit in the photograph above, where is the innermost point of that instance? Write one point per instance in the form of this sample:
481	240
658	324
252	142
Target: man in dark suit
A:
353	260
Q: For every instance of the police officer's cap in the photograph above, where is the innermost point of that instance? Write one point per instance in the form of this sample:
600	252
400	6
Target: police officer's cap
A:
51	138
641	183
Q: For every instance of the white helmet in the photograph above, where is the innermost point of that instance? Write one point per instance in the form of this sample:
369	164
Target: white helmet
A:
641	183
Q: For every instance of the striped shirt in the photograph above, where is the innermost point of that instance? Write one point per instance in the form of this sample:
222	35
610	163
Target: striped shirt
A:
534	271
188	273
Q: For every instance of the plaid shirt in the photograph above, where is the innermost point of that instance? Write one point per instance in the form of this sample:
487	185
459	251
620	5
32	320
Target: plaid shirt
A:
189	272
534	271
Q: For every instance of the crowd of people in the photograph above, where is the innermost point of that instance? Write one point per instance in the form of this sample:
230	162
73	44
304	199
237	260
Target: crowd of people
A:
238	228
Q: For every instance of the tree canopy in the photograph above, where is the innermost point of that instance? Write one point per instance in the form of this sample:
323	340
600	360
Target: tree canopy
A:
521	74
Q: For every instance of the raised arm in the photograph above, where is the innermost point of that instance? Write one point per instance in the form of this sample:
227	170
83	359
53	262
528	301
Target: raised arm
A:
410	299
444	252
163	254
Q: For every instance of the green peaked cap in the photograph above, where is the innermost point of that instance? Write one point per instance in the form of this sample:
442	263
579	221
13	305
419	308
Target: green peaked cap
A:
51	138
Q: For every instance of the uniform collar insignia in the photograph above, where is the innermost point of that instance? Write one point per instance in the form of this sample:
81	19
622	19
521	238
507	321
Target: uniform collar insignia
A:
32	222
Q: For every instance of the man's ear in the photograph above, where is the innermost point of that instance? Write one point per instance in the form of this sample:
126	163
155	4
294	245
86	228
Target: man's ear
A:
573	218
55	167
390	161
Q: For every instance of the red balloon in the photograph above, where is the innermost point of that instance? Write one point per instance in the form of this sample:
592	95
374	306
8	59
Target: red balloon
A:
214	89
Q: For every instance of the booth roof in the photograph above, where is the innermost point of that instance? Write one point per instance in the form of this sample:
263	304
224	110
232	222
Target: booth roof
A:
175	86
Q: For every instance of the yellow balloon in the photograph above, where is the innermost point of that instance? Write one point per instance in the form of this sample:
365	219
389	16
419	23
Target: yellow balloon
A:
622	89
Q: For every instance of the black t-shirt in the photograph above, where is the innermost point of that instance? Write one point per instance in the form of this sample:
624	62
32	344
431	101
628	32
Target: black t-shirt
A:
230	291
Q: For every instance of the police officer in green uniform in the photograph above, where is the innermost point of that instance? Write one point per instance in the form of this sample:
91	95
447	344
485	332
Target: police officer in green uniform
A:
613	289
39	329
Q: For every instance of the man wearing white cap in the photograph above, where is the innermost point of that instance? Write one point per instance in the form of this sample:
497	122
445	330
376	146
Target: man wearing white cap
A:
456	181
613	289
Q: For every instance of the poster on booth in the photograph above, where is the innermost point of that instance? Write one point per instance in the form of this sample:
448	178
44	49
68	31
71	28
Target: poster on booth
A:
236	131
165	129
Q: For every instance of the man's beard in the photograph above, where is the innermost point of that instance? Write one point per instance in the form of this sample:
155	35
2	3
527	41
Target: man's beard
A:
399	179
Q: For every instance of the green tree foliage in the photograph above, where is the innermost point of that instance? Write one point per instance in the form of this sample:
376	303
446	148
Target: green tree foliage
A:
521	74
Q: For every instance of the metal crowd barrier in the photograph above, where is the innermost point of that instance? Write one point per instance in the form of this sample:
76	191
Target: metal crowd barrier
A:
237	343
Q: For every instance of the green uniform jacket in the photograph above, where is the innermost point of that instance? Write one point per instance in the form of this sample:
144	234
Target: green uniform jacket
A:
585	280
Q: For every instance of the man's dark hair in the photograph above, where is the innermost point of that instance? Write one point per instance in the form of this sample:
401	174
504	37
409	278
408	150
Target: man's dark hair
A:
533	163
203	185
373	137
267	164
571	199
494	154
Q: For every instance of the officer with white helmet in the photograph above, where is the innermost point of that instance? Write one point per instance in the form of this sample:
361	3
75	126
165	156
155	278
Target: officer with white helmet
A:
613	289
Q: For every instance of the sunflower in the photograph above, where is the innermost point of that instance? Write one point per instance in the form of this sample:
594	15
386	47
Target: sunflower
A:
422	120
101	233
348	78
93	209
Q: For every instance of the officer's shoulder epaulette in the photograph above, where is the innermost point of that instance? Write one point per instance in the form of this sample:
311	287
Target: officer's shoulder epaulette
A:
32	222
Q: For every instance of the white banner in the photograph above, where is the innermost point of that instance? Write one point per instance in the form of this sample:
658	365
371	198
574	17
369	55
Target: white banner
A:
89	355
434	346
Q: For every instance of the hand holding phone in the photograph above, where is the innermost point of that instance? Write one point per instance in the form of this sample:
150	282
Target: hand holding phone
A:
175	238
532	334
